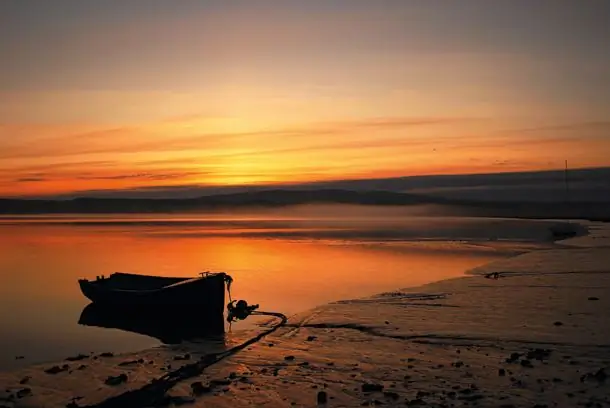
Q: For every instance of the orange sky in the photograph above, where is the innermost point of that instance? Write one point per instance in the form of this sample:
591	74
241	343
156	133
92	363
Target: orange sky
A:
119	97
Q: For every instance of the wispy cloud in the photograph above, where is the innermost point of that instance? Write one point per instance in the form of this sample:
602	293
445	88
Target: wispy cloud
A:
594	125
145	139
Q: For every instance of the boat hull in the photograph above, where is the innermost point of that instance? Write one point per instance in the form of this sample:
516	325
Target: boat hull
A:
206	293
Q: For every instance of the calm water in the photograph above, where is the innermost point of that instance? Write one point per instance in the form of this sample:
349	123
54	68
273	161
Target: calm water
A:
287	264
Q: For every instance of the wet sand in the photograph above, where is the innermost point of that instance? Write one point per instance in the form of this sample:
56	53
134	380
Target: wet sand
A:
539	335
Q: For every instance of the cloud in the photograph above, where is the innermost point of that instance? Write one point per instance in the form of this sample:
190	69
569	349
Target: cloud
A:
593	125
142	176
138	139
30	179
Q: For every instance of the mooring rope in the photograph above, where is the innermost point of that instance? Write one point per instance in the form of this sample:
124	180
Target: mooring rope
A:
154	393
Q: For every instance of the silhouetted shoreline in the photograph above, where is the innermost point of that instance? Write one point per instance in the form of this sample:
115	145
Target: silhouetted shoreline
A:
595	211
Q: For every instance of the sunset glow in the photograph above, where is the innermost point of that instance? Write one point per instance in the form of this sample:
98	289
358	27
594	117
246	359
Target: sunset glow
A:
110	96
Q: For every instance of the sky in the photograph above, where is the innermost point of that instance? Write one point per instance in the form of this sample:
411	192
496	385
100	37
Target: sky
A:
114	95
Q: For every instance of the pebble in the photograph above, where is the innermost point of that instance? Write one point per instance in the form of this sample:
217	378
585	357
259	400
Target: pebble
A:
593	298
77	357
558	323
311	338
526	363
289	358
119	379
24	392
369	387
128	363
513	357
538	354
57	369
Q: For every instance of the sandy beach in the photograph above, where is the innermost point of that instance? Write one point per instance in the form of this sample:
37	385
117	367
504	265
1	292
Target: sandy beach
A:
538	336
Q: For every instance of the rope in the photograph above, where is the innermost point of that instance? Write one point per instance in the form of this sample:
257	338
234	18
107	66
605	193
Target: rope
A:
154	393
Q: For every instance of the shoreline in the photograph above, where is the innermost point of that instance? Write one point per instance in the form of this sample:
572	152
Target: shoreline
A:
351	319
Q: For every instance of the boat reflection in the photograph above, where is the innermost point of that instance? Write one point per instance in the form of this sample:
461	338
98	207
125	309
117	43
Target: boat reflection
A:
168	326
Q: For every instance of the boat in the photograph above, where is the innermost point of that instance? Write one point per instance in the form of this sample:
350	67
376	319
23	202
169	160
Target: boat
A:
205	293
167	326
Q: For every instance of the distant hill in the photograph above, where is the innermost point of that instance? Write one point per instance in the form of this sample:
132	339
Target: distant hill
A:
267	198
283	198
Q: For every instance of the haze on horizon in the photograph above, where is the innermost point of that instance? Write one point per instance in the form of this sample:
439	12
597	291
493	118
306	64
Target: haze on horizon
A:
120	95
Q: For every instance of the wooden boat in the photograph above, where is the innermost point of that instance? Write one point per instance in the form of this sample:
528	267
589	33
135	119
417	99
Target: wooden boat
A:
169	327
205	293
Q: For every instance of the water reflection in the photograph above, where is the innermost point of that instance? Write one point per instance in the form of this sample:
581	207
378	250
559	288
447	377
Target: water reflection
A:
169	326
40	265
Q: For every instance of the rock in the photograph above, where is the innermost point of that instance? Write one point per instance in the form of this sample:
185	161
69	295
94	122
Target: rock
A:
25	379
538	354
198	388
119	379
24	392
232	375
56	369
322	397
107	354
593	298
526	363
289	358
19	357
513	357
501	372
77	357
558	323
128	363
369	387
311	338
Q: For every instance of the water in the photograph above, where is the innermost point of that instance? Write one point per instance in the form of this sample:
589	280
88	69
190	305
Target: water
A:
284	263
